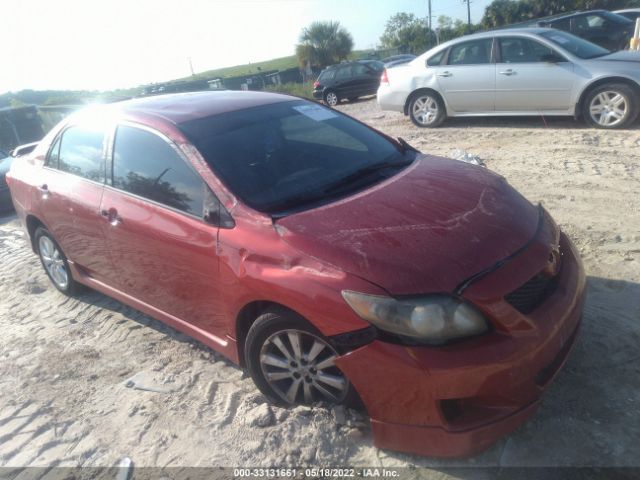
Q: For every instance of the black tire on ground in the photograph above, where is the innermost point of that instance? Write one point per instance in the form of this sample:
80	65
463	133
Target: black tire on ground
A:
612	105
331	98
275	325
426	110
51	254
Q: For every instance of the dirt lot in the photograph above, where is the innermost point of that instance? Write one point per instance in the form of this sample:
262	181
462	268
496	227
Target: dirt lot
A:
73	371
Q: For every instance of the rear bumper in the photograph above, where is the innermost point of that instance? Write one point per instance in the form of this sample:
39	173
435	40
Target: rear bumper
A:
317	94
390	100
457	400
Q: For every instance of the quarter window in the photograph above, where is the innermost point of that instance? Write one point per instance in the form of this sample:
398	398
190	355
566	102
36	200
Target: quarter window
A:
471	53
80	153
146	165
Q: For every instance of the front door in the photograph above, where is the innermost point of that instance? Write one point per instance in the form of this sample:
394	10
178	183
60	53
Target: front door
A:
532	77
162	251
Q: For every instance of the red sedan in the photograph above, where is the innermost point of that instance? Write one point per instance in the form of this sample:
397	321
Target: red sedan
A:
335	263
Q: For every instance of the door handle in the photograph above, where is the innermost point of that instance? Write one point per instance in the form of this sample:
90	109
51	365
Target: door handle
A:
44	189
112	216
508	72
445	74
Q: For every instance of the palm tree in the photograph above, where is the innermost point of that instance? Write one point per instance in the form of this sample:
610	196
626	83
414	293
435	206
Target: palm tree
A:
323	43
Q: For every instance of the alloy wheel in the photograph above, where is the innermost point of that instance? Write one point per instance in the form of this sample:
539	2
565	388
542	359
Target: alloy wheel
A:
331	99
608	108
300	368
53	262
425	110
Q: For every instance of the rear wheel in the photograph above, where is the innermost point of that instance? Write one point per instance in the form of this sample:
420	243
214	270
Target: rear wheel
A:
611	106
331	98
54	262
426	110
292	363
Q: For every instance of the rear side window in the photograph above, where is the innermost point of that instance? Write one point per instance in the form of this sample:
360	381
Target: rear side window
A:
327	75
343	72
79	151
146	165
475	52
436	59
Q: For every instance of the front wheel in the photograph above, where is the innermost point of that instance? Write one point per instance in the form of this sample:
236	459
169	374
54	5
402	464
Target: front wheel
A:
55	263
426	110
331	98
611	106
291	363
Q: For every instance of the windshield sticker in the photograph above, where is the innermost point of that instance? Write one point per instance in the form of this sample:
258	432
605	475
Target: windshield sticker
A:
315	112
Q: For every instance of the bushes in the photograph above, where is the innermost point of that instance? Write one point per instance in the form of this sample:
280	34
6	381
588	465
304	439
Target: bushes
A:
298	89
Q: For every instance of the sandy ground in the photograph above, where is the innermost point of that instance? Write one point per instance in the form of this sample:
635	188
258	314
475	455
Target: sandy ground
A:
75	374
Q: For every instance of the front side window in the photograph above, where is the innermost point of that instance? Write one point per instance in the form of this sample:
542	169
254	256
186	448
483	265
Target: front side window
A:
523	50
476	52
80	152
292	155
146	165
327	76
359	70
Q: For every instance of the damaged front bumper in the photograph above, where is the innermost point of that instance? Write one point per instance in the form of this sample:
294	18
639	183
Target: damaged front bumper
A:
457	400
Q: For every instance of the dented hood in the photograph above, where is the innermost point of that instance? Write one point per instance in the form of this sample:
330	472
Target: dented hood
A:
425	230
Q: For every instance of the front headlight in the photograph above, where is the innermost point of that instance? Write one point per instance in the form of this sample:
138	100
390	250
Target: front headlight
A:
432	319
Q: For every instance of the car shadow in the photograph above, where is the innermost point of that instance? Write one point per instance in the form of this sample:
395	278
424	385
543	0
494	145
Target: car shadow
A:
589	414
523	122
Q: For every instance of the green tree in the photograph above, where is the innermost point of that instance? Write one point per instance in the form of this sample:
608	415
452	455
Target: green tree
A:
449	29
323	43
505	12
407	31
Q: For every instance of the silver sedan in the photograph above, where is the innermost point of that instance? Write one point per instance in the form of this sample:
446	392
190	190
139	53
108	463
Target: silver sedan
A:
529	71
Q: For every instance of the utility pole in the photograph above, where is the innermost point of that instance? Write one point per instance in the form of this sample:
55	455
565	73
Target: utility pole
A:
429	21
468	2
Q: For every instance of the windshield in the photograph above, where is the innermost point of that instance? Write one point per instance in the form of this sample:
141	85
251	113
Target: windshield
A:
290	156
616	18
577	46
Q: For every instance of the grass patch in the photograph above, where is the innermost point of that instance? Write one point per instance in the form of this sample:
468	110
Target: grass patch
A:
298	89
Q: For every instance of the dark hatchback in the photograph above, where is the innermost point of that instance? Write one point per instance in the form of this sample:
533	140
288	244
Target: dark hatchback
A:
607	29
348	80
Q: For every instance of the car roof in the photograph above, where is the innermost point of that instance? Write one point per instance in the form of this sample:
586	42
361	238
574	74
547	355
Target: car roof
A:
181	107
501	32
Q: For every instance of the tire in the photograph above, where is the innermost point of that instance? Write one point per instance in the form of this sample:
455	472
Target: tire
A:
613	105
265	358
426	110
331	98
55	263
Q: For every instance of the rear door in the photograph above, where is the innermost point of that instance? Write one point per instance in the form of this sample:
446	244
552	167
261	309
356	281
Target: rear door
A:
343	82
532	77
366	81
70	194
163	253
468	78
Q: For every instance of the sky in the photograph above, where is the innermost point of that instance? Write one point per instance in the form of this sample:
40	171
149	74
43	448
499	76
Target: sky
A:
108	44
